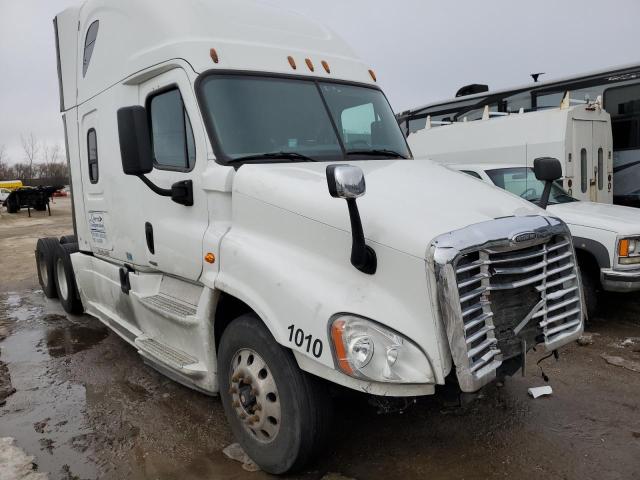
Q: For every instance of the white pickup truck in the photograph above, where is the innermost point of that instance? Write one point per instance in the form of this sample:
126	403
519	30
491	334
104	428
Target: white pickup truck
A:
606	237
219	153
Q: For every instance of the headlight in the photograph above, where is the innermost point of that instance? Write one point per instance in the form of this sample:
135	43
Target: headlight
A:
629	251
365	349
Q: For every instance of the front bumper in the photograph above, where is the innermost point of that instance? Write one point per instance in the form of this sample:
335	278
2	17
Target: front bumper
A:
620	280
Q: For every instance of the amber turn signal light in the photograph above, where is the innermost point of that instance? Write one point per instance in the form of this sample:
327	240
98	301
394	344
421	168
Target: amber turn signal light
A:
210	258
337	329
292	62
624	248
325	65
373	75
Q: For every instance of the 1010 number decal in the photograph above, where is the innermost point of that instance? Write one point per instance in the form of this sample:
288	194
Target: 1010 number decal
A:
297	336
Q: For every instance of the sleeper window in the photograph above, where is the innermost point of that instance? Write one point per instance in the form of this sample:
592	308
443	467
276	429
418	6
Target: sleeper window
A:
92	155
89	44
171	132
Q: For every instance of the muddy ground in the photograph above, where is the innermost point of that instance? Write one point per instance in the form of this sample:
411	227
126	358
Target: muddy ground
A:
85	405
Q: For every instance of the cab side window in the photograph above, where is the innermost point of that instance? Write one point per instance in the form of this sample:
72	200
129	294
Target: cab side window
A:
171	133
92	155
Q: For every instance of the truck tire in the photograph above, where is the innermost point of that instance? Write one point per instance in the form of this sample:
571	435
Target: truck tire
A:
278	413
66	286
68	239
45	251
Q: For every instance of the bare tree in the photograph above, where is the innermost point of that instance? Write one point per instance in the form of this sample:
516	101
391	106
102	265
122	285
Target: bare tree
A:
31	148
51	165
5	169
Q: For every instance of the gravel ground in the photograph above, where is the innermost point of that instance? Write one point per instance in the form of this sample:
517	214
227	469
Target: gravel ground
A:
85	405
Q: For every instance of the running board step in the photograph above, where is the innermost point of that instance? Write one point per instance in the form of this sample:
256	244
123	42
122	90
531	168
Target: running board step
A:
169	306
168	356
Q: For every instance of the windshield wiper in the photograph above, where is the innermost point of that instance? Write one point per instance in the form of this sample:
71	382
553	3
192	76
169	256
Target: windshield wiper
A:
377	152
292	156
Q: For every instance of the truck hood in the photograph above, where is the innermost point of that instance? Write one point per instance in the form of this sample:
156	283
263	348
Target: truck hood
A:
614	218
406	205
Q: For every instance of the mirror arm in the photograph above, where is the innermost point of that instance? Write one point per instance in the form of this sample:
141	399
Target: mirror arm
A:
363	257
544	199
165	192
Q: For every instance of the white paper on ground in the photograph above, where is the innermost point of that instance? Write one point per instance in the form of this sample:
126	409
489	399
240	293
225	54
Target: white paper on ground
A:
536	392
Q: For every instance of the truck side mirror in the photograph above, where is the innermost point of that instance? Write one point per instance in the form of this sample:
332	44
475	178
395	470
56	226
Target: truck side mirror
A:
135	141
347	182
548	170
137	158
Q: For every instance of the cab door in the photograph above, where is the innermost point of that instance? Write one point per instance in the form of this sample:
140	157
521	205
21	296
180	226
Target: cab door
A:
171	232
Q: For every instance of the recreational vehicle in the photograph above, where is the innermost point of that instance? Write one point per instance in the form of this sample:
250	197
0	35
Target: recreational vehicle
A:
617	87
249	218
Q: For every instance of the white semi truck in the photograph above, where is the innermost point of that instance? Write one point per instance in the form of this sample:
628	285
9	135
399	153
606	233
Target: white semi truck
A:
212	146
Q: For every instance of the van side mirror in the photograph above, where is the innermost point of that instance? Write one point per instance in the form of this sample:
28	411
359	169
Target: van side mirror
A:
548	170
135	140
137	158
347	182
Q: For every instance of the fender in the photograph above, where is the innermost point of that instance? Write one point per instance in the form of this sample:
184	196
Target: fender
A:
597	249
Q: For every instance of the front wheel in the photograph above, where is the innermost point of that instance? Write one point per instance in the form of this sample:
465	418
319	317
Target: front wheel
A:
278	413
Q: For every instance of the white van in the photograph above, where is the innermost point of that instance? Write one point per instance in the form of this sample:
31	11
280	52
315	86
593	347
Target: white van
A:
579	136
219	154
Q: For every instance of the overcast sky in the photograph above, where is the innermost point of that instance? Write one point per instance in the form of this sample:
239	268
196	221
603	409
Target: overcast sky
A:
422	50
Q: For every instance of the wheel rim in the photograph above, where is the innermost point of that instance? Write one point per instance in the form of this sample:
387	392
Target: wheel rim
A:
254	395
42	267
62	279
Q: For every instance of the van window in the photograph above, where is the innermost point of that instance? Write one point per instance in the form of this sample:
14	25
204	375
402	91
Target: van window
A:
583	169
171	133
600	168
89	44
92	155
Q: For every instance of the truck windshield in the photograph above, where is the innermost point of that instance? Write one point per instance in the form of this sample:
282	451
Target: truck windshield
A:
268	119
523	182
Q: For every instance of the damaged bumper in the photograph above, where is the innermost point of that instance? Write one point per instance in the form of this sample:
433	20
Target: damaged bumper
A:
619	280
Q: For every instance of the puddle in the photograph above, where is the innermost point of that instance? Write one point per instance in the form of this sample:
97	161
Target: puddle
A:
72	338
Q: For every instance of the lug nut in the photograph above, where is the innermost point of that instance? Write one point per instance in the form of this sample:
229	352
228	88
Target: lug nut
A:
255	418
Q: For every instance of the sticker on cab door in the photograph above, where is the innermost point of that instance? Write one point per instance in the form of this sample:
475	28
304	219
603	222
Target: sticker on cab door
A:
98	230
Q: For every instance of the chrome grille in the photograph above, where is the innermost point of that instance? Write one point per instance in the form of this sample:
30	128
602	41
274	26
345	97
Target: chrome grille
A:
502	296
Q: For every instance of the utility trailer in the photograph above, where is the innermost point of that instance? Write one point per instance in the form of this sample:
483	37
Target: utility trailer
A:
577	135
212	148
37	198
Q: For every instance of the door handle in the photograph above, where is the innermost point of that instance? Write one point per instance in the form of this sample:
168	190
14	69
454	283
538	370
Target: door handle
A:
148	233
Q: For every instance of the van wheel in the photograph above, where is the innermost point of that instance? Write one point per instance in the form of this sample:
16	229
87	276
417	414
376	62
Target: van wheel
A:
65	278
277	413
45	251
590	288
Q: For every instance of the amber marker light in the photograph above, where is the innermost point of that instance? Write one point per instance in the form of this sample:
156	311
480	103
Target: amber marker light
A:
325	65
292	62
309	64
210	258
373	75
624	248
337	329
214	55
